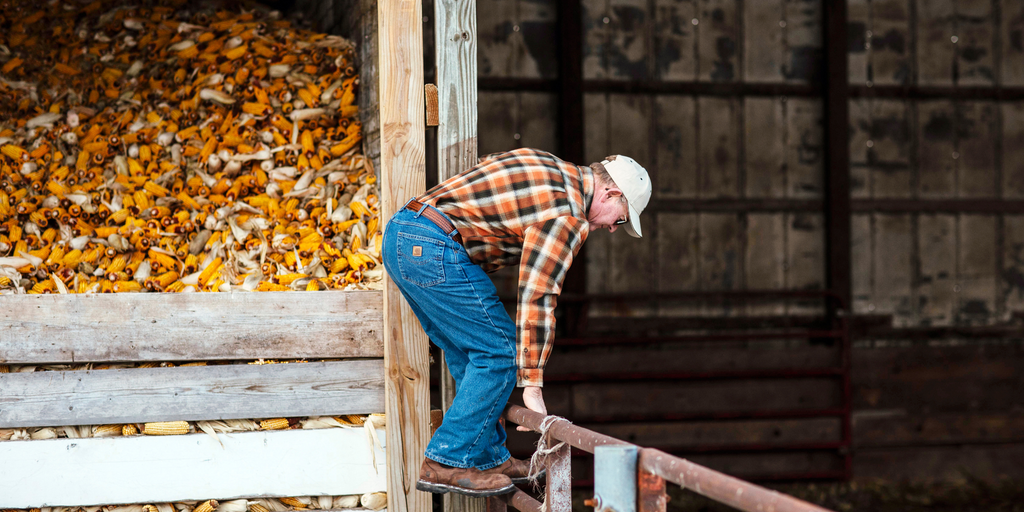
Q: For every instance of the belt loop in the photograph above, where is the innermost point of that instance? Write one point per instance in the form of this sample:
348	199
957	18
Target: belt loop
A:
422	207
406	205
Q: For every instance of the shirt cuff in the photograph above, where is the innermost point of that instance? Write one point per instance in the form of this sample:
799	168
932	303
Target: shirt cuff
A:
530	377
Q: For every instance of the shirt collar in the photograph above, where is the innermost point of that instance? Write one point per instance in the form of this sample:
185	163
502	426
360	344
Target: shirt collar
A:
588	188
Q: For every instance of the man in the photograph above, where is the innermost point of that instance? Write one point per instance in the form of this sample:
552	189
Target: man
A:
524	207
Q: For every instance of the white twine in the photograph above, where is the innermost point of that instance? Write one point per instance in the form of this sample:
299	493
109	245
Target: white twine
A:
540	456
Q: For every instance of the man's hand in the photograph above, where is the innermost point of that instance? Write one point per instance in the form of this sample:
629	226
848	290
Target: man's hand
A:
533	398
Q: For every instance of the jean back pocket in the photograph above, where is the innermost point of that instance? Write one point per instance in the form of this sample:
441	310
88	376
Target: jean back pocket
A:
420	259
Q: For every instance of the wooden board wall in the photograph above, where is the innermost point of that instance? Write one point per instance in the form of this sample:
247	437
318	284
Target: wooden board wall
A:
923	268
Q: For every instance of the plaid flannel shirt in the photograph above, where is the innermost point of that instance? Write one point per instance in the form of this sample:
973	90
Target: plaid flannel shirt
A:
524	207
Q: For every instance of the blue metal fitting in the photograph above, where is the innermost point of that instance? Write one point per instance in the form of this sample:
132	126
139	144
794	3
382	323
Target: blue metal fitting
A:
615	478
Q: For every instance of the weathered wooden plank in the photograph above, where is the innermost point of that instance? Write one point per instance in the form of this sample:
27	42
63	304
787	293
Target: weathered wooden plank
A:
935	49
602	400
804	55
674	171
538	123
455	30
804	148
976	288
764	144
765	258
162	469
805	251
937	379
692	358
719	146
718	41
872	429
975	46
190	326
535	34
633	263
936	139
764	31
498	112
747	466
628	50
893	267
678	248
890	42
596	147
934	297
596	34
136	395
858	22
889	154
860	135
721	251
681	436
977	131
992	463
403	149
1011	35
862	250
675	37
497	48
1012	186
1013	262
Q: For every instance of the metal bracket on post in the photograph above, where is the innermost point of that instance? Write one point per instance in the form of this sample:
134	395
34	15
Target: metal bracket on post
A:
615	479
651	488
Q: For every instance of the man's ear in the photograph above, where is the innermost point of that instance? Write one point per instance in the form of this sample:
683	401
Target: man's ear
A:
614	192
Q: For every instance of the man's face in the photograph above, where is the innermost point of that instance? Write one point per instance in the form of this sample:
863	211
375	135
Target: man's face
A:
608	208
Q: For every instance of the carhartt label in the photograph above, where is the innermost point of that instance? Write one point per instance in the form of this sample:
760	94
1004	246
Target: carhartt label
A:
417	251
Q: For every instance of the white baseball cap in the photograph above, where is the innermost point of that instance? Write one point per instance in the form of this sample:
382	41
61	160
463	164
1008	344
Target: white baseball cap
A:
635	184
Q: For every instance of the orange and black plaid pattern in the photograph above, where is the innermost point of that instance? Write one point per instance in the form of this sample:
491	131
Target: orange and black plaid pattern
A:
524	207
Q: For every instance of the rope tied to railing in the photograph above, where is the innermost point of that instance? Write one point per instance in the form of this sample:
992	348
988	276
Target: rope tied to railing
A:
539	459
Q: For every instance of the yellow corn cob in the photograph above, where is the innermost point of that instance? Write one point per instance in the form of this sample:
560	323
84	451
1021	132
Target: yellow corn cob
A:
265	286
207	273
118	264
292	502
155	189
5	281
175	287
150	508
206	506
287	279
108	430
127	286
4	368
274	424
129	430
165	428
256	507
14	152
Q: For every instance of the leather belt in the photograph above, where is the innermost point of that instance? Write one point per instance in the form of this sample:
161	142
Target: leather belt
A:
436	217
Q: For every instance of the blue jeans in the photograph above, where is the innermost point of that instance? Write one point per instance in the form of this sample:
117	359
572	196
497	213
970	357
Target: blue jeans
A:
459	309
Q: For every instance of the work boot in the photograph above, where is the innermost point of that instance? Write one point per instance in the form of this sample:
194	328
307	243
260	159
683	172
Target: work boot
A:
518	470
439	478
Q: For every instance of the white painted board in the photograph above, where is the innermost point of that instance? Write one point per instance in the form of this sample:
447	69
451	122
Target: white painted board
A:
144	469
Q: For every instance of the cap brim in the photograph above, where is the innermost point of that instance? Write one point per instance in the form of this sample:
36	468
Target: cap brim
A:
633	226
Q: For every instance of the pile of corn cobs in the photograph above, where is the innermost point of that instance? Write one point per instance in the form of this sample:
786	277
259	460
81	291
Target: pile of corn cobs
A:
171	148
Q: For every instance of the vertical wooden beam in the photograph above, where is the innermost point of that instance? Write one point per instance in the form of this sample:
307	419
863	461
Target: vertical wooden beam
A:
838	219
570	133
455	43
402	172
837	150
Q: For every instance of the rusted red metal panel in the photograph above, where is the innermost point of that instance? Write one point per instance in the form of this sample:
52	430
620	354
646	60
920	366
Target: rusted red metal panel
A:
651	496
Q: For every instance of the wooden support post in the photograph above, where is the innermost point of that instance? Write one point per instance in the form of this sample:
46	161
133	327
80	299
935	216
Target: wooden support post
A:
651	496
403	175
558	491
455	43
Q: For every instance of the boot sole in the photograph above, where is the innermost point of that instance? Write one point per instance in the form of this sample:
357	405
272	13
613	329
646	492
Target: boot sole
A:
437	488
525	480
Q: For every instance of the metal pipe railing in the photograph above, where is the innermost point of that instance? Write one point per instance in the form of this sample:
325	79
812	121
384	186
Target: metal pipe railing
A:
654	466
